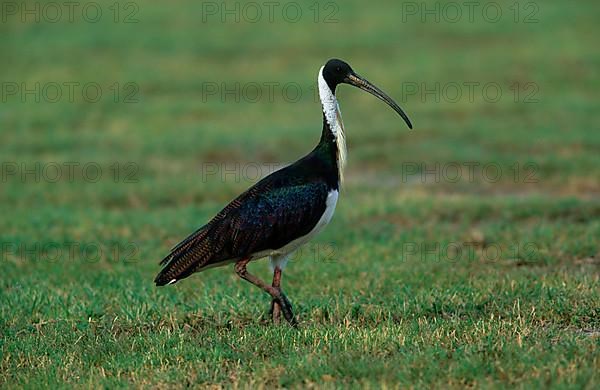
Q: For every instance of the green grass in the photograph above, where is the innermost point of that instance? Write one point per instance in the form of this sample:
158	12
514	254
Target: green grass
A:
382	296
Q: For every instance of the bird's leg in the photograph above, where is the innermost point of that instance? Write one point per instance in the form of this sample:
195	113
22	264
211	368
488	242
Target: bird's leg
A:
275	306
286	307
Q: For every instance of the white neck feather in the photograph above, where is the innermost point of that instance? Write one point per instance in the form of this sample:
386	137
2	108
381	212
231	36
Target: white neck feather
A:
333	116
328	101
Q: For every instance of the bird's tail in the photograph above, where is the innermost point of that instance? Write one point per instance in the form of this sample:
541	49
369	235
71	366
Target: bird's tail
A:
186	258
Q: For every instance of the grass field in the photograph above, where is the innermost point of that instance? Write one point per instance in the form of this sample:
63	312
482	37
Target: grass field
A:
490	279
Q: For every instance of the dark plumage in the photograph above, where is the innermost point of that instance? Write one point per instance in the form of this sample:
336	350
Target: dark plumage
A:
282	211
278	209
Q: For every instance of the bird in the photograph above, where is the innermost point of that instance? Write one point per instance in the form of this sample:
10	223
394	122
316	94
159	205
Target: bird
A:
282	211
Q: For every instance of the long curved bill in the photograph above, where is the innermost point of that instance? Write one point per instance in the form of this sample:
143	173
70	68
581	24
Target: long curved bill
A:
365	85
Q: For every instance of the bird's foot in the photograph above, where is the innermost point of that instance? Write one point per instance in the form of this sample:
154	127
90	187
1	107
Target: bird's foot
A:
286	308
281	304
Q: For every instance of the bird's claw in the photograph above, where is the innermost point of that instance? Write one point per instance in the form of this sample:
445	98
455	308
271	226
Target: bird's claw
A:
286	308
279	304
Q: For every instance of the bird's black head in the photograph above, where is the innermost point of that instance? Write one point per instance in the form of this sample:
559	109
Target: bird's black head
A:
337	72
